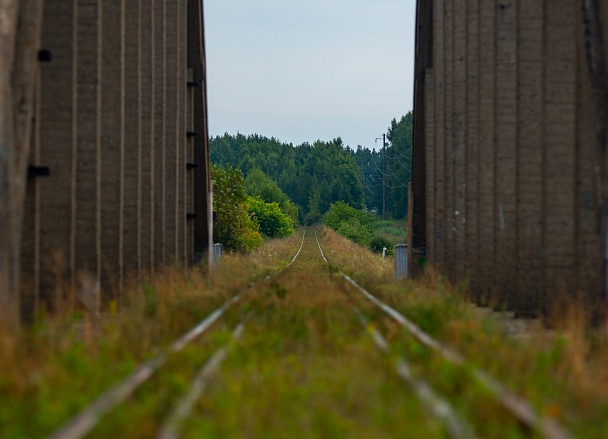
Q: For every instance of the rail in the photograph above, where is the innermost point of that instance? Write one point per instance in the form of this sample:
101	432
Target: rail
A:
517	406
88	418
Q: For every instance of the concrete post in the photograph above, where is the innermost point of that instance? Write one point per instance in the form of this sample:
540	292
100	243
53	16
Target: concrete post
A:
87	228
505	163
560	144
24	85
459	144
202	182
449	150
182	129
160	68
472	145
485	182
132	189
190	170
112	149
148	114
55	149
529	157
439	254
430	164
401	262
9	199
171	199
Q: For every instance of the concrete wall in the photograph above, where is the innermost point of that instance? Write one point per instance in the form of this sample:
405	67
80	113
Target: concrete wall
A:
119	183
506	151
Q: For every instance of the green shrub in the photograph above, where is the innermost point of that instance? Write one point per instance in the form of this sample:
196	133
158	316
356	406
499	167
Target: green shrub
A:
261	185
340	212
355	231
273	222
234	227
378	243
352	223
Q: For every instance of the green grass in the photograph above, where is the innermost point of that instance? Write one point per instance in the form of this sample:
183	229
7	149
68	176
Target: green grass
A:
305	367
394	230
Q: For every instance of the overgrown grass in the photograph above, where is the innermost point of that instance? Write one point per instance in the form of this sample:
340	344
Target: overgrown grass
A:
305	367
393	230
51	370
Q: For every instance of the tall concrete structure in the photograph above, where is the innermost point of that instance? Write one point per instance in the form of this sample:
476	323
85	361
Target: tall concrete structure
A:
509	172
103	161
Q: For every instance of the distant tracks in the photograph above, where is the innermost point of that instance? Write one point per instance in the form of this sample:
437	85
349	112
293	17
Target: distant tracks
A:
517	406
89	417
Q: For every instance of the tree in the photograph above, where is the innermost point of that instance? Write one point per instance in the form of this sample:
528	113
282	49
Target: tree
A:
260	185
271	219
234	226
399	165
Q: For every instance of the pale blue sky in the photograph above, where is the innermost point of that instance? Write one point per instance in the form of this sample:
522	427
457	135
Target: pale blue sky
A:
302	70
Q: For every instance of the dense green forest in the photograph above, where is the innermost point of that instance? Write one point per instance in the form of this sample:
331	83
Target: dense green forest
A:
315	176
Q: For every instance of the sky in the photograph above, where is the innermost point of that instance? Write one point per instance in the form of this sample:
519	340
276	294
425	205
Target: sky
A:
307	70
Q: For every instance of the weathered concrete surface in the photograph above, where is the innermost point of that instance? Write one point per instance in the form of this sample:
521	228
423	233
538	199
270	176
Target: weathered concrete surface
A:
99	108
518	158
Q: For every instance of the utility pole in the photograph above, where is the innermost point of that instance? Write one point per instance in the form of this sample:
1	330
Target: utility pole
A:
384	176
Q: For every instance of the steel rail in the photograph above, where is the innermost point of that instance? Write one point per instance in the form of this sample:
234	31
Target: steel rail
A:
455	426
516	405
171	427
84	421
88	418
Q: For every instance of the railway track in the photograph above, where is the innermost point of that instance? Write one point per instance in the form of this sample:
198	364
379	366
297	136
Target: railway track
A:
518	407
278	325
90	416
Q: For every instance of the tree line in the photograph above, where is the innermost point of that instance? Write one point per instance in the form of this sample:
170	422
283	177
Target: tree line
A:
314	176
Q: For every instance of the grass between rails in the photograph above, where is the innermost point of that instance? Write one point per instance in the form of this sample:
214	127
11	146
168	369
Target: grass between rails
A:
564	374
51	370
304	367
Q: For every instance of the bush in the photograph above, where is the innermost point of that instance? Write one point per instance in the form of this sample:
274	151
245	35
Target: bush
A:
378	243
273	222
354	224
340	212
260	185
234	227
355	231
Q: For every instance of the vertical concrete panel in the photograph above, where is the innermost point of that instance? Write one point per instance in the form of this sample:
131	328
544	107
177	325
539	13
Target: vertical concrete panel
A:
112	147
448	109
589	248
87	206
203	225
560	147
56	144
30	230
159	66
182	173
529	157
132	220
460	135
505	203
472	141
439	77
487	74
429	107
148	134
190	172
171	122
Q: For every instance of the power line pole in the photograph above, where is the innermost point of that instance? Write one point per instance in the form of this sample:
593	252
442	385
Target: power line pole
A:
384	176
